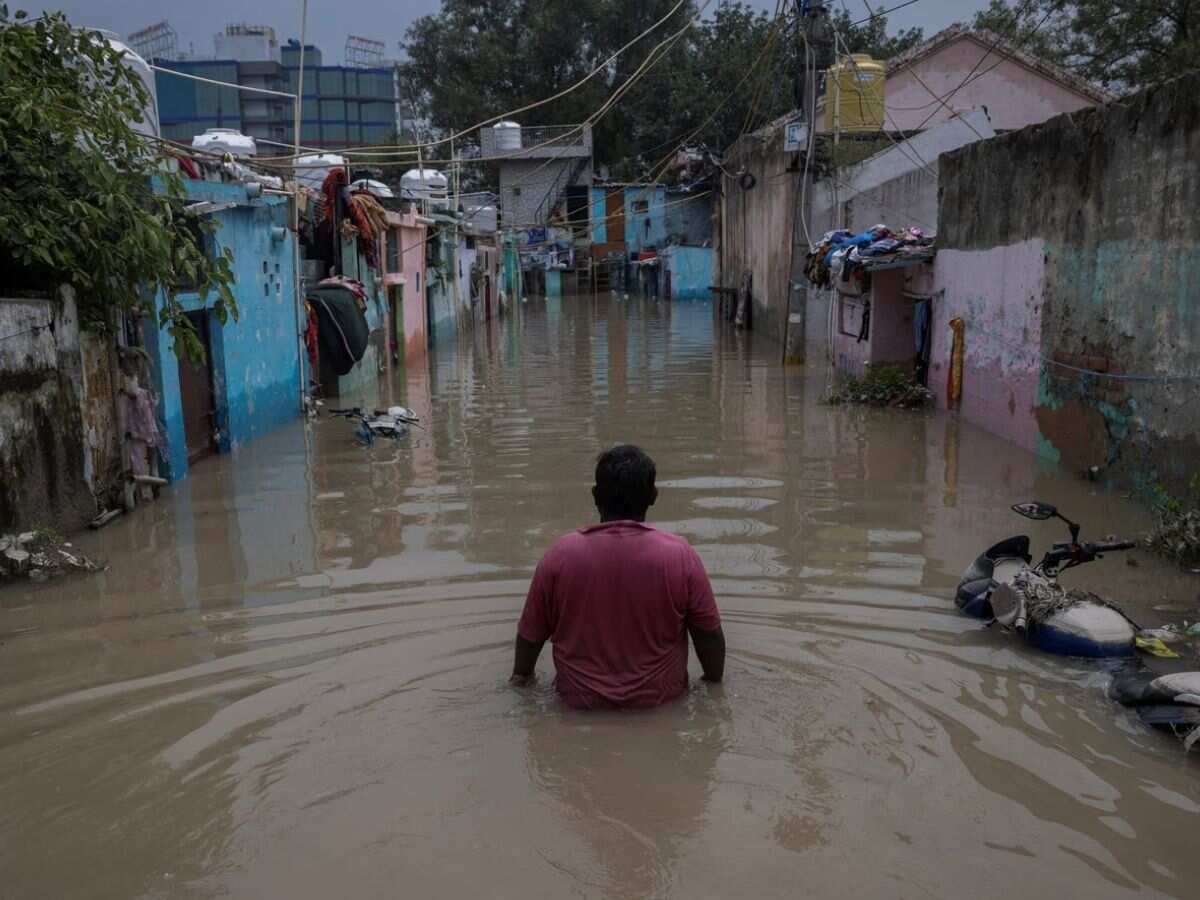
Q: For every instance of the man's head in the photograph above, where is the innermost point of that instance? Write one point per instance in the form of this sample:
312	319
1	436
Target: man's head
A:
624	484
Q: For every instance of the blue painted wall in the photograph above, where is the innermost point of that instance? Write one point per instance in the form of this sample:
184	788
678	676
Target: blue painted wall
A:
599	223
256	359
645	229
691	271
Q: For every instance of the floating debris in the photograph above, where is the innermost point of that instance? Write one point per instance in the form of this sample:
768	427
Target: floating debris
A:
40	555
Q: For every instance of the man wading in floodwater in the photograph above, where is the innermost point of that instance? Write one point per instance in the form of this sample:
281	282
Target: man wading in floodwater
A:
619	600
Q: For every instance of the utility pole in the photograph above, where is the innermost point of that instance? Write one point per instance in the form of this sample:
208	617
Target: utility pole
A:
812	33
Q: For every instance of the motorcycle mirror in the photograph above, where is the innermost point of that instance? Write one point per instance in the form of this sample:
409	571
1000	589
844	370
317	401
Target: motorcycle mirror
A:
1035	510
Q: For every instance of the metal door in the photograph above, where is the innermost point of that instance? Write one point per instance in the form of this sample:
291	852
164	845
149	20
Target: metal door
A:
197	396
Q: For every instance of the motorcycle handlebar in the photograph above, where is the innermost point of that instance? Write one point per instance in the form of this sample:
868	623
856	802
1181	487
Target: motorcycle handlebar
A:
1111	546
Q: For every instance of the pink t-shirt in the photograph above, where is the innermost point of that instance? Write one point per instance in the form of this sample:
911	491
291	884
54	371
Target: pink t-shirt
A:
617	599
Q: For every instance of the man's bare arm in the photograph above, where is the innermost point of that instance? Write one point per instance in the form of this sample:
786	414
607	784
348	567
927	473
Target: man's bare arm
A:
525	658
710	650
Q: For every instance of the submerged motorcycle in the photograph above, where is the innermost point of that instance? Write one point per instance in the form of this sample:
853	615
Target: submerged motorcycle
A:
1004	586
392	422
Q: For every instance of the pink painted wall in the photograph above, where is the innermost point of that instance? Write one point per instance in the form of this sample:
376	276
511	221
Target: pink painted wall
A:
1014	94
412	276
998	295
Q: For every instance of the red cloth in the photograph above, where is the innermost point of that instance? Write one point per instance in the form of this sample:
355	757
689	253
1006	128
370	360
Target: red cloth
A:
617	599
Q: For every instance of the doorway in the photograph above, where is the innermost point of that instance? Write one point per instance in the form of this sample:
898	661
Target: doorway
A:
197	396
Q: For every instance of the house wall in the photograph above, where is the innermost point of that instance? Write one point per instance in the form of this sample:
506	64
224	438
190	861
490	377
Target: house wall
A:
255	358
362	380
411	278
42	436
645	230
691	270
689	218
756	226
465	259
1014	94
1070	245
599	215
898	187
524	184
439	293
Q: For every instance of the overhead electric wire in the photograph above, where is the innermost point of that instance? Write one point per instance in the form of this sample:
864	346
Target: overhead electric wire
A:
537	103
999	39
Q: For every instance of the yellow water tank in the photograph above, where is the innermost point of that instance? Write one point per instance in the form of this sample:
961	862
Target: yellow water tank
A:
855	94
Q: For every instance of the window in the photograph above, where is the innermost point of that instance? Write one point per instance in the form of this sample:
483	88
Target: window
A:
516	192
641	206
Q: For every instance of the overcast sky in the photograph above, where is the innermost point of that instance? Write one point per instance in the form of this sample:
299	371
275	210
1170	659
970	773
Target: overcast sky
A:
329	21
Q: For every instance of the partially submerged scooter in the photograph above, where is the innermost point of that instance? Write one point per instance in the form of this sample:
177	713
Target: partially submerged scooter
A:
1003	585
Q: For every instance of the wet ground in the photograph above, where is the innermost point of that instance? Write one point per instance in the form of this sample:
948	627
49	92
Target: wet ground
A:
291	681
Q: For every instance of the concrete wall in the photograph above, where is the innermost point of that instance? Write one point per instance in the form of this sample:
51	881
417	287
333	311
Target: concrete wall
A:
524	184
42	435
756	226
689	218
439	293
648	229
410	277
898	187
256	359
691	271
1072	245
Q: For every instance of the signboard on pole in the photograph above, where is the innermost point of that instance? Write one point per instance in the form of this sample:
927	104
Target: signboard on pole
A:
795	137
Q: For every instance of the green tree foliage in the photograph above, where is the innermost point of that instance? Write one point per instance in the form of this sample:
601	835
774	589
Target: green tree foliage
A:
77	204
1129	44
477	58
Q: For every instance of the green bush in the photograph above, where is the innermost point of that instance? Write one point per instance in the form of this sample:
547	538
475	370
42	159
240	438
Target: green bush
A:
882	386
1177	535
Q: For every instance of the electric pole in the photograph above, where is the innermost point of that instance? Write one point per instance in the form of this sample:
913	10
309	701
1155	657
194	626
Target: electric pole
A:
812	33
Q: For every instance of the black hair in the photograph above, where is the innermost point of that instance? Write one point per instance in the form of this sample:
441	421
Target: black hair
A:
624	483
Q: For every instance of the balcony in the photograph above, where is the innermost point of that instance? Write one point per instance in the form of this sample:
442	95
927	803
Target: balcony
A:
539	142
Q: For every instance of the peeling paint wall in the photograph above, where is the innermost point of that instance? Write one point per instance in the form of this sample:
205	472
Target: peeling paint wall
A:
42	443
1071	245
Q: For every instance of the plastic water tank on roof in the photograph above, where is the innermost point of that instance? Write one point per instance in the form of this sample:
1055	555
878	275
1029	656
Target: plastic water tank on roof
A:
225	140
423	184
507	135
312	170
855	94
148	124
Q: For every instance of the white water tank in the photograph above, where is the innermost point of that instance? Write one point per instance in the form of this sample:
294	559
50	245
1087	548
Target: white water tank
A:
148	124
507	136
424	184
225	140
313	169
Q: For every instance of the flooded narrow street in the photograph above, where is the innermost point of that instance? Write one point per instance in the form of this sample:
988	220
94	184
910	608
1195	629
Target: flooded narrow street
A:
292	680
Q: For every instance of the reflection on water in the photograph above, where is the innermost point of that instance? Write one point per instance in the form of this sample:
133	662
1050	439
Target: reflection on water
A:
291	680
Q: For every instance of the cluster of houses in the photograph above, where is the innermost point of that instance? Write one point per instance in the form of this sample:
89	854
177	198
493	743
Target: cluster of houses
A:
985	220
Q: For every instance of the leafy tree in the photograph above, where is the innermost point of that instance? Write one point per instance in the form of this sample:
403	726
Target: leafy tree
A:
77	202
871	37
1121	43
476	58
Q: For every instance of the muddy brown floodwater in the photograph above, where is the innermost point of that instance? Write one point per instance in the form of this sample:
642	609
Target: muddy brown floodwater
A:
291	682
